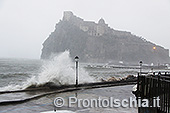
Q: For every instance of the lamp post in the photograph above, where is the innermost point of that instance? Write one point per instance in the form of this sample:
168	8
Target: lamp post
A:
76	61
140	66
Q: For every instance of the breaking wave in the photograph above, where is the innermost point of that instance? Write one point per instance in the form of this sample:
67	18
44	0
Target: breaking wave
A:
58	71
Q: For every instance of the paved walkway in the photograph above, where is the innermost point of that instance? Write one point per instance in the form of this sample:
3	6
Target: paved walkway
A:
46	103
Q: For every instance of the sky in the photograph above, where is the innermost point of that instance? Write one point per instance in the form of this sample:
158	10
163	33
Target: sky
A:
26	24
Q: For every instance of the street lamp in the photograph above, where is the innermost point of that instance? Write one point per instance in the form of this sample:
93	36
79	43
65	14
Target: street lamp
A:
76	61
154	48
140	66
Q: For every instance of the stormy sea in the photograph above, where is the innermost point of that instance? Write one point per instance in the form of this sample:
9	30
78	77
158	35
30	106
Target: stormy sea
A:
20	74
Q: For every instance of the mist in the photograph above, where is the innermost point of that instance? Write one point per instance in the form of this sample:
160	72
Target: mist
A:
25	24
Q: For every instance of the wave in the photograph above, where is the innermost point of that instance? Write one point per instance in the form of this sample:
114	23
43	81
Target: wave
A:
7	75
57	71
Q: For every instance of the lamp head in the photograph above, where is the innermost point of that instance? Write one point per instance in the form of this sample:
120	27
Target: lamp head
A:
140	62
76	58
154	48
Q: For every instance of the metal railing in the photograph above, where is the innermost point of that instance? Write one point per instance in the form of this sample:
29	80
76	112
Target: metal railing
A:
151	86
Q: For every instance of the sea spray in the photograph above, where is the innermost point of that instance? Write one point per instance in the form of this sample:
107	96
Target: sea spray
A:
60	70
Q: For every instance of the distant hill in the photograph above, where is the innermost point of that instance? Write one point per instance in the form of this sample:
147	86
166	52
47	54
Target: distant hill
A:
97	42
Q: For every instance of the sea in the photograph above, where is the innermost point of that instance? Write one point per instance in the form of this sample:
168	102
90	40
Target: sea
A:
19	74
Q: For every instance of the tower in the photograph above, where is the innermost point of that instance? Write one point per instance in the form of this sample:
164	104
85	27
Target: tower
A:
67	15
101	21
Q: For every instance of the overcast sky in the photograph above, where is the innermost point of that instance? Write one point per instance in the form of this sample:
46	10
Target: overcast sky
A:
25	24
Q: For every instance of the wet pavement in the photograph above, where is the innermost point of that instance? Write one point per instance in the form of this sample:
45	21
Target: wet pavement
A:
46	103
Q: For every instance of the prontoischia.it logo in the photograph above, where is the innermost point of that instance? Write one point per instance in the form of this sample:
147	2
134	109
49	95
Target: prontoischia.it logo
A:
106	102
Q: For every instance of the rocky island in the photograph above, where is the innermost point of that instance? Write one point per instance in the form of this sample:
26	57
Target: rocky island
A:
98	43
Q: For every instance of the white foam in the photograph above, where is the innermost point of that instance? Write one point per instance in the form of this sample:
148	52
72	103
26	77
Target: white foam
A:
59	70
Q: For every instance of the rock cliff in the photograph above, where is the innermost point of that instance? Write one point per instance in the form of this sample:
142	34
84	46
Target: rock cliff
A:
97	42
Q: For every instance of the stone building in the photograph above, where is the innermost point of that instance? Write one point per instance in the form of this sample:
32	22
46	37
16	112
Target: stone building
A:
92	28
